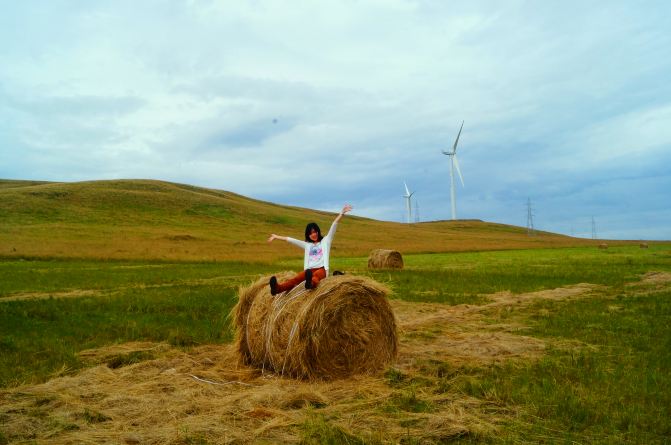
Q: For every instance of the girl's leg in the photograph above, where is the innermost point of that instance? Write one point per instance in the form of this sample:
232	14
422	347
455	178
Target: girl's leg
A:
317	276
291	283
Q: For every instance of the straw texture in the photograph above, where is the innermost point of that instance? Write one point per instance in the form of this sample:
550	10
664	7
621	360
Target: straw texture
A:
343	327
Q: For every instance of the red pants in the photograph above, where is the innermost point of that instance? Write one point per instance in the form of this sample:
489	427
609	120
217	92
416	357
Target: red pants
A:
317	275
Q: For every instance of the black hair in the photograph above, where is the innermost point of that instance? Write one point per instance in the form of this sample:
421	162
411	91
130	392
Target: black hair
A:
309	228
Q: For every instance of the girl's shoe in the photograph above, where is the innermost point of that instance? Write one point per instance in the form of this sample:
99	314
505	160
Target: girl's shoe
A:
273	285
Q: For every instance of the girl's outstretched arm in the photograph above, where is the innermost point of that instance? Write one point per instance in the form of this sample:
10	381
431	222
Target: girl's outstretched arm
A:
347	208
288	239
274	237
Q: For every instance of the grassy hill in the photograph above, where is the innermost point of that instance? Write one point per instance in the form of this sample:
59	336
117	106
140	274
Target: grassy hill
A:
147	219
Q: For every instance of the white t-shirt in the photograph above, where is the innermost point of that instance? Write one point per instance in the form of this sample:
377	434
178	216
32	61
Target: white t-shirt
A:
316	254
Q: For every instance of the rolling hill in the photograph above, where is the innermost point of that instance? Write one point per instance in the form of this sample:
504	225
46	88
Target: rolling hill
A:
149	219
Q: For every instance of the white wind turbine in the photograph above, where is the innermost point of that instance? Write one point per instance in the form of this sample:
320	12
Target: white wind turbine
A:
407	197
454	163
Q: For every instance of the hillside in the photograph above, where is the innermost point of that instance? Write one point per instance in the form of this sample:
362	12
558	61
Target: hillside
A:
147	219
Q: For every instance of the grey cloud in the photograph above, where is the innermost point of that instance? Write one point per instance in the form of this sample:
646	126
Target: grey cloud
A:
250	134
371	91
78	105
267	89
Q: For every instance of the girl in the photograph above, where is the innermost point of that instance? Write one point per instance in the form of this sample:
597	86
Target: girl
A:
316	259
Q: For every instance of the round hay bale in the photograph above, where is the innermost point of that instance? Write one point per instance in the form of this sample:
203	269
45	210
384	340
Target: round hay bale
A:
643	245
385	259
343	327
603	246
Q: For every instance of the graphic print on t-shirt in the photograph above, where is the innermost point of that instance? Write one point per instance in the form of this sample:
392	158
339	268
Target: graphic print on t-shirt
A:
315	256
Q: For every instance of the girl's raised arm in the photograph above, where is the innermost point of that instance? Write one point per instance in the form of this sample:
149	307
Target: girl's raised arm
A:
347	208
274	237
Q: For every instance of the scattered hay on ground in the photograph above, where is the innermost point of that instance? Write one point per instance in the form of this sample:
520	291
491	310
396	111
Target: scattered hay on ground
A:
125	353
412	315
78	293
650	283
654	278
385	259
343	327
202	396
461	335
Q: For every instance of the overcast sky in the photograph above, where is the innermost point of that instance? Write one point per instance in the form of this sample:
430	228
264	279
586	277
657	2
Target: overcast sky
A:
318	103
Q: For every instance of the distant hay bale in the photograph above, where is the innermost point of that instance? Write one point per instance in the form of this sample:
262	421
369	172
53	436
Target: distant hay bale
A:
603	246
385	259
643	245
343	327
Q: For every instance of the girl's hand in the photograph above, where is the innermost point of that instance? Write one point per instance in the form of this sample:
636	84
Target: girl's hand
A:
346	209
272	237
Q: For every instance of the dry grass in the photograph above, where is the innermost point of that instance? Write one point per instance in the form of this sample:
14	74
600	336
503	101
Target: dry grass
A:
146	220
183	396
78	293
651	283
654	278
461	333
204	395
81	293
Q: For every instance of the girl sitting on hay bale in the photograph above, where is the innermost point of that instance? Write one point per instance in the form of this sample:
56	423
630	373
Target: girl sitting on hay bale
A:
316	258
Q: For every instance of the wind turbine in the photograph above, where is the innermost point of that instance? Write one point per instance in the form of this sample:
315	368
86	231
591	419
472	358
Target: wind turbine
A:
454	163
407	197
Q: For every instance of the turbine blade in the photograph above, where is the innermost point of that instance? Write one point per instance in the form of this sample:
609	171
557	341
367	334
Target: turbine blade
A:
407	192
454	149
456	164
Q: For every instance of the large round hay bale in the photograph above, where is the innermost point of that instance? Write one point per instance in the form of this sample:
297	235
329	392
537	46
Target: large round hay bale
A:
385	259
343	327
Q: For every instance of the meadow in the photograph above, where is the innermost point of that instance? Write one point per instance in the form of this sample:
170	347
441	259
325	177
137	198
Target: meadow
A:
603	375
155	220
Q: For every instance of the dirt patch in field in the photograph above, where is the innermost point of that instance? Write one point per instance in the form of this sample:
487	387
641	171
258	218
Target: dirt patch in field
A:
177	397
186	237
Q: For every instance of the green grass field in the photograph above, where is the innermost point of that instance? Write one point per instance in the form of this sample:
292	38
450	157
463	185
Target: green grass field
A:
613	388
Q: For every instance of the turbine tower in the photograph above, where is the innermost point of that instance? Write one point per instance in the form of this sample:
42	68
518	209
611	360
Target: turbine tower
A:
407	197
454	163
